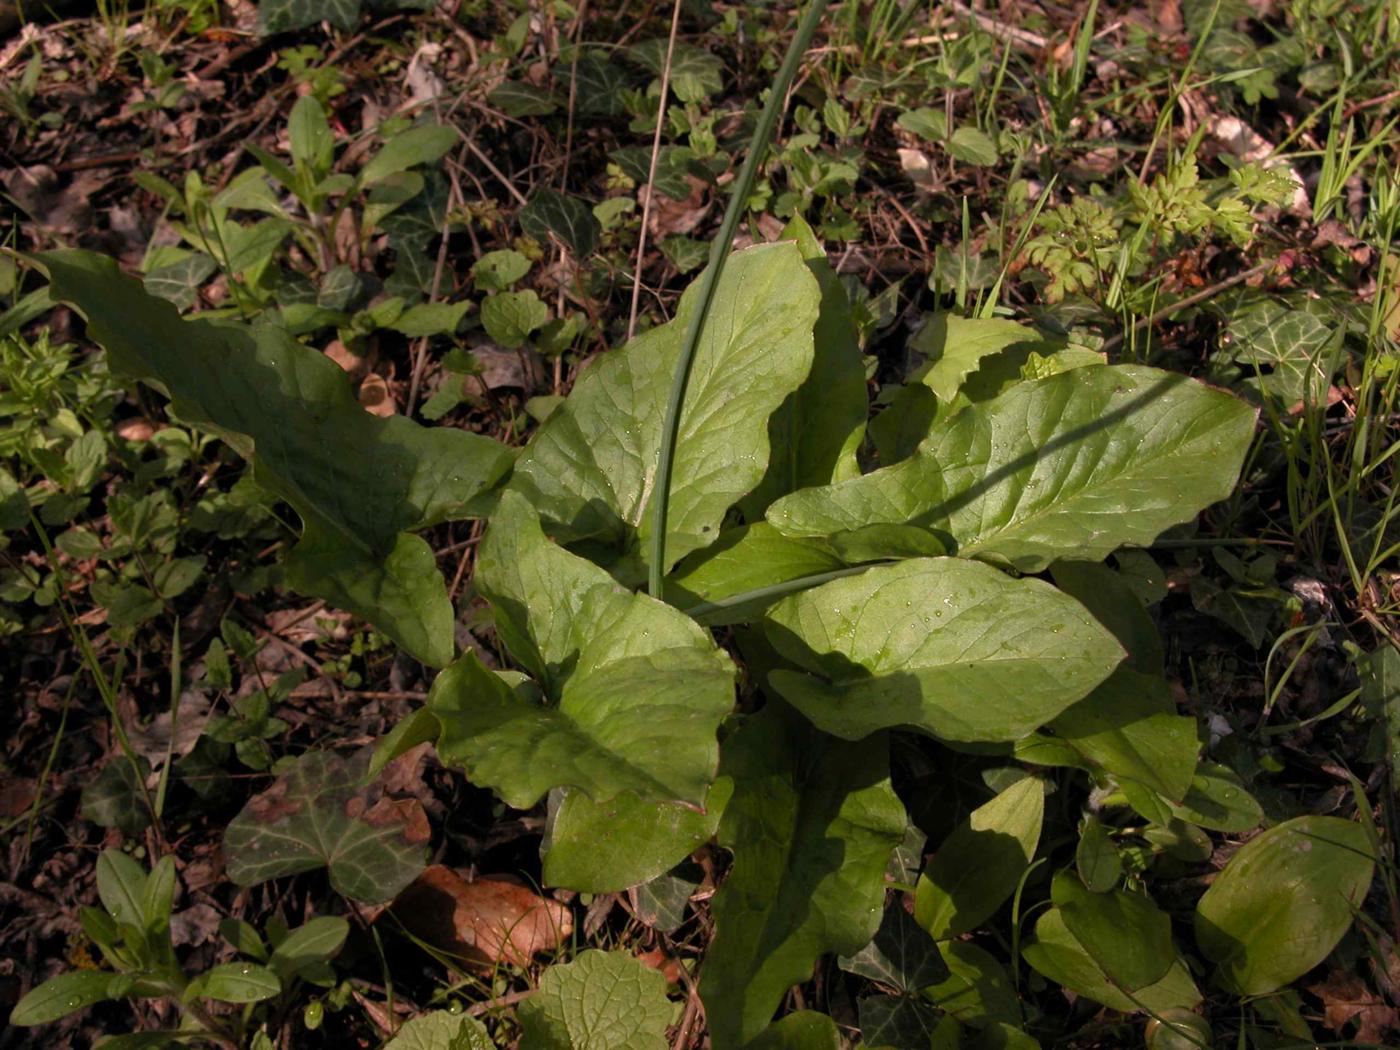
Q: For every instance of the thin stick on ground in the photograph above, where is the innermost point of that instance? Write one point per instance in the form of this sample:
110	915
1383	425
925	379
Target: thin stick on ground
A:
651	169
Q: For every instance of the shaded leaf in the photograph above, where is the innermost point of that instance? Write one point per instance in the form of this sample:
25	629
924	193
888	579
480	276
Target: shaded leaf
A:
899	1022
1126	935
803	1030
1284	901
568	218
953	647
516	98
358	482
1218	799
601	999
980	863
1084	461
113	798
815	433
978	990
319	814
695	73
1057	955
900	955
811	825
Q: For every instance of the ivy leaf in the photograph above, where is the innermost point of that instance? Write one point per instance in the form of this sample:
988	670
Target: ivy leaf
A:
321	814
179	281
568	218
816	431
360	483
953	647
113	798
1085	461
980	863
590	468
634	691
1284	901
695	73
515	98
442	1030
1283	354
897	1022
605	847
280	16
601	999
901	955
811	825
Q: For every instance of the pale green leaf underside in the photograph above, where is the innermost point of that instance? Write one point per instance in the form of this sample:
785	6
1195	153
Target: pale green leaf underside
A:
1284	901
634	690
319	814
359	482
811	825
590	469
949	646
1082	462
600	1000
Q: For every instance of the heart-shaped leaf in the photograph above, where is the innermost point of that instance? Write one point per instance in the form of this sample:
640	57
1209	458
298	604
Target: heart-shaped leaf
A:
952	647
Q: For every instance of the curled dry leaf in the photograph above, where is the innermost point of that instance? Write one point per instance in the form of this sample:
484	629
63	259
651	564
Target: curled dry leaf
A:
486	921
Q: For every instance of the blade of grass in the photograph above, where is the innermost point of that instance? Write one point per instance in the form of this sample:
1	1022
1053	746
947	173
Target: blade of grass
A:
709	281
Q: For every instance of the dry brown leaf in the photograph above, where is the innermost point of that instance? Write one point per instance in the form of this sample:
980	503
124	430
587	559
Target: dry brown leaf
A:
352	364
1345	997
16	796
152	742
918	169
485	921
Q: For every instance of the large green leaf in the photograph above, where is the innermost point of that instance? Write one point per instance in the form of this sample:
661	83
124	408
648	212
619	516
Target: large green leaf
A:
804	1030
949	646
603	847
320	814
62	995
811	825
1284	901
590	468
1080	463
953	347
1056	954
980	863
360	483
815	433
634	691
600	1000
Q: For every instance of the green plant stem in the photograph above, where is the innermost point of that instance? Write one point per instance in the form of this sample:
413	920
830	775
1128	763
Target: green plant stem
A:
709	281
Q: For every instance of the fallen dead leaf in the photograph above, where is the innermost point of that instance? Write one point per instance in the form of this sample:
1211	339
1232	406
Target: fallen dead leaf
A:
16	796
485	921
918	169
376	396
1346	998
153	741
